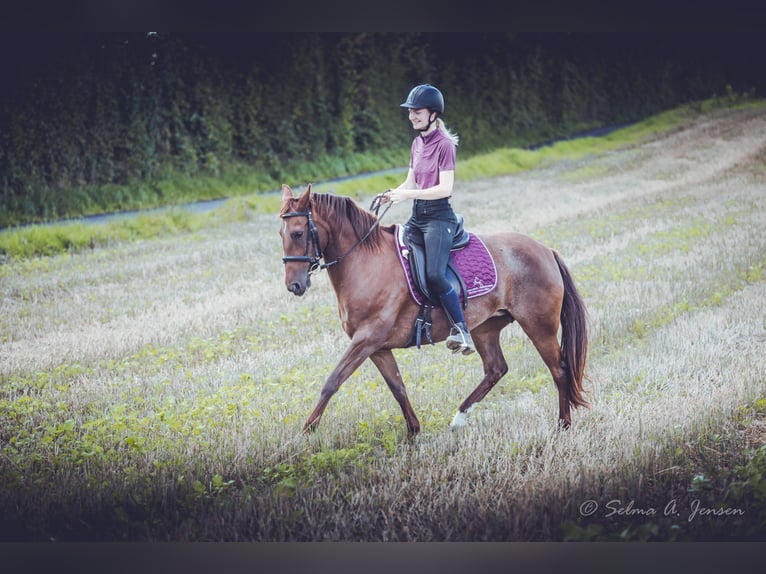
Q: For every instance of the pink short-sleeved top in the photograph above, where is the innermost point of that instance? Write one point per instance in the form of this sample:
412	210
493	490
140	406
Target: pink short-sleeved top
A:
430	154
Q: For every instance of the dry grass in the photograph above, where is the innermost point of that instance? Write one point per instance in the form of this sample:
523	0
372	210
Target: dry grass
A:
156	390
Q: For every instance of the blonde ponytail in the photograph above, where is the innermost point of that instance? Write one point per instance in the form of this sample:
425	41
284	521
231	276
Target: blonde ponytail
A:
450	134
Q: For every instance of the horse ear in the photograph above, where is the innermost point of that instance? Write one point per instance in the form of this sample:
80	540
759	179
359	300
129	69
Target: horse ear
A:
304	199
287	193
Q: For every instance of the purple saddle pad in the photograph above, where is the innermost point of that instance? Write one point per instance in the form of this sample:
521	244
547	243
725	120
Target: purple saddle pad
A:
473	262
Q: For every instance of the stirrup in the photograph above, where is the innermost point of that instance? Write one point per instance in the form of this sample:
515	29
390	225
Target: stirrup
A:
461	341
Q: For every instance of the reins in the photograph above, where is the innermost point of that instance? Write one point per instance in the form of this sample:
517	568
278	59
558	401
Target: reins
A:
315	261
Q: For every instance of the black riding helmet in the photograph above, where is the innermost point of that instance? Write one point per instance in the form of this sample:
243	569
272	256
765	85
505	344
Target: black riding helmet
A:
425	96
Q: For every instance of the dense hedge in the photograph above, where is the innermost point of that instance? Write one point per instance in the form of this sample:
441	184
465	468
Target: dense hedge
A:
96	122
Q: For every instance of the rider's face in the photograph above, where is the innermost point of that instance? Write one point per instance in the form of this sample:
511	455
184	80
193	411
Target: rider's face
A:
419	118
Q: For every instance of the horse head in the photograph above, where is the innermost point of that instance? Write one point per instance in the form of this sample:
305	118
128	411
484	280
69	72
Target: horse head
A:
300	240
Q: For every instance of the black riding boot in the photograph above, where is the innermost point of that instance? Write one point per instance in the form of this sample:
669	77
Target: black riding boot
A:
459	341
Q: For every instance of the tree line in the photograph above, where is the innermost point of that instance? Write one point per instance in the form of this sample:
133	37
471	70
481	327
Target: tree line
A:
97	121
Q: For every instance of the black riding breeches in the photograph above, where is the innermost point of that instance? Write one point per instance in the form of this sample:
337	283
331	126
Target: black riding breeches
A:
436	221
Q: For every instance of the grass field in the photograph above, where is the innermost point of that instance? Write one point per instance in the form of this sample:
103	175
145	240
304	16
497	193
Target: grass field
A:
155	389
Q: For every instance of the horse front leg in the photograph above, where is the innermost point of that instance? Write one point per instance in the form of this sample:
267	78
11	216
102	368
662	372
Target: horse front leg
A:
486	338
386	363
359	350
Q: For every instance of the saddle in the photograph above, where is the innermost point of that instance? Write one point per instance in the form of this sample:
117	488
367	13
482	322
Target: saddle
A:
417	259
471	271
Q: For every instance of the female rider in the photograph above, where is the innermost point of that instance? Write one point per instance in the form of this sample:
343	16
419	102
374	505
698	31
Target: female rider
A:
429	184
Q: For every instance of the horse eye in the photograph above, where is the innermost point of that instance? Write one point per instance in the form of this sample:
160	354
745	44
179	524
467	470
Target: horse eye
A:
297	234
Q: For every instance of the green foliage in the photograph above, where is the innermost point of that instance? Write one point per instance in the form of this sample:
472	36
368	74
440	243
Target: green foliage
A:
126	121
36	240
748	490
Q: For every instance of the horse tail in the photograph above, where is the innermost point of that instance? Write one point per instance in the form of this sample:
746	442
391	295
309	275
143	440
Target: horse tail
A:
574	336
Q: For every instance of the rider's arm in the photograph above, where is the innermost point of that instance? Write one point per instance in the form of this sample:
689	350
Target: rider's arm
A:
407	189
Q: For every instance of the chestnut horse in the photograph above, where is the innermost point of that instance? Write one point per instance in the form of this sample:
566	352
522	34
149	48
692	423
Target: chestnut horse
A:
534	288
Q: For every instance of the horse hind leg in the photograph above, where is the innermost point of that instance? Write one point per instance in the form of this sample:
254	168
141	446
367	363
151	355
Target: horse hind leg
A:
486	338
544	339
386	363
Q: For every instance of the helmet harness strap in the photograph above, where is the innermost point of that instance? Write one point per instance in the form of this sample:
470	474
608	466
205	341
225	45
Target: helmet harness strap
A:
430	121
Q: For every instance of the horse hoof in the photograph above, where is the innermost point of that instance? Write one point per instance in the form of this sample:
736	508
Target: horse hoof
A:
459	421
461	418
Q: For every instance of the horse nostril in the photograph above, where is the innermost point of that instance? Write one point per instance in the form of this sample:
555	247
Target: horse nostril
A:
295	288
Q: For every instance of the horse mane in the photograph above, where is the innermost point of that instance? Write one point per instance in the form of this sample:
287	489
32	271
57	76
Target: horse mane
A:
339	210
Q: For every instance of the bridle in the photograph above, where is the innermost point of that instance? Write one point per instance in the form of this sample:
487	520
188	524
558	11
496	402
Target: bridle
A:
315	260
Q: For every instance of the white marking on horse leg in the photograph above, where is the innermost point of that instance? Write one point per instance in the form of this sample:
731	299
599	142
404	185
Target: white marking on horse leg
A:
458	421
461	418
